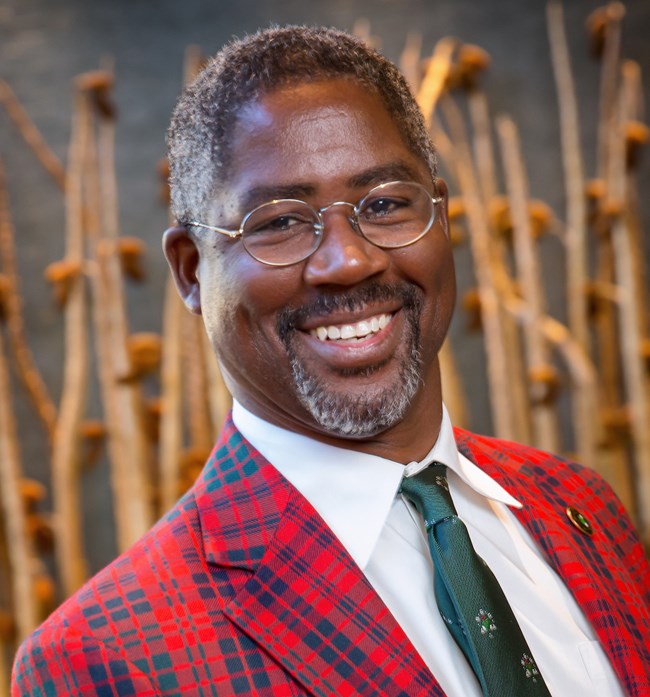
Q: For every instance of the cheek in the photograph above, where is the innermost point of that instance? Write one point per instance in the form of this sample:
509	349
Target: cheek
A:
241	298
437	278
218	295
445	282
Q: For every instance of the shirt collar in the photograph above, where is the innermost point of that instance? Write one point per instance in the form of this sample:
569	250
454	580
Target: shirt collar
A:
446	453
353	491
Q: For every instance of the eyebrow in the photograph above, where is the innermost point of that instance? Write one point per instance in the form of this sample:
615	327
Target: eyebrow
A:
262	194
391	171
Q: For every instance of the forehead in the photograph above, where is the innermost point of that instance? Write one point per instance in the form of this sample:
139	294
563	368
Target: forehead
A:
317	135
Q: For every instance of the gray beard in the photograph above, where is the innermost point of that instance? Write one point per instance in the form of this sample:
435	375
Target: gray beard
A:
370	413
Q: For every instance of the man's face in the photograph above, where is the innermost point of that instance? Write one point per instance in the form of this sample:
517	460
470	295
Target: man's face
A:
274	328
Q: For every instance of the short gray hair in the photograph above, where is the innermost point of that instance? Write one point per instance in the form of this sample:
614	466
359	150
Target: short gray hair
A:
206	113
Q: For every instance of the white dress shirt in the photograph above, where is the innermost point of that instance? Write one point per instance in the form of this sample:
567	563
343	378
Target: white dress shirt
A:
356	495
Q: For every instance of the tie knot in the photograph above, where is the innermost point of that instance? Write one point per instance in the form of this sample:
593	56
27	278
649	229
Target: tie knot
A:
428	490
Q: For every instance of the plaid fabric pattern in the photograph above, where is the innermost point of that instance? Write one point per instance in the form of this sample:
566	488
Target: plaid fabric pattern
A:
242	590
607	573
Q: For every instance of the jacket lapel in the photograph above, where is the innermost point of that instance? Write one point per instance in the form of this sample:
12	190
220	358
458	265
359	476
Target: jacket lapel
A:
304	601
592	567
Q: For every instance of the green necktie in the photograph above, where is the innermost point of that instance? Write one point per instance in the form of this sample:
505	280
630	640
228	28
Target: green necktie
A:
469	597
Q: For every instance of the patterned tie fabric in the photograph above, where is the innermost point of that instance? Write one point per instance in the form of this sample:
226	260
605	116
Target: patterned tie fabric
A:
469	597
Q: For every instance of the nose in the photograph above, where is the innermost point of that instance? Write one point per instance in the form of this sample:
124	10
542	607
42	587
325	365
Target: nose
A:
344	257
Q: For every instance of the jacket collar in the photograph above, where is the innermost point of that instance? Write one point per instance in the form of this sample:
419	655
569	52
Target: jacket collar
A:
593	567
304	601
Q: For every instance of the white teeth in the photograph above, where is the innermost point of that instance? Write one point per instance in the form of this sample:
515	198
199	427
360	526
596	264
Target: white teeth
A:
352	331
363	328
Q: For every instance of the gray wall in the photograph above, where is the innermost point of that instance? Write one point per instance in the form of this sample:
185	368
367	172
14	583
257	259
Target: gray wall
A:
44	43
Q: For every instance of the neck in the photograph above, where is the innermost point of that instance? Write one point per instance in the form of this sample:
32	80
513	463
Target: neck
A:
408	440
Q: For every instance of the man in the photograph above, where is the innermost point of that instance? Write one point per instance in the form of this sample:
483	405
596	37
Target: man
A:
312	239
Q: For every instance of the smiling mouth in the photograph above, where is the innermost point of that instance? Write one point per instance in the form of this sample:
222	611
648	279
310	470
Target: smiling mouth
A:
352	332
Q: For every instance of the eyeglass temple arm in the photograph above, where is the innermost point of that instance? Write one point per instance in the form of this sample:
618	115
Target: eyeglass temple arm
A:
229	233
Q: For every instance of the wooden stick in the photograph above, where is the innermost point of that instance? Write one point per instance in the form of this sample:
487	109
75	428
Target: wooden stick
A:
633	87
15	523
634	374
191	63
31	135
5	670
430	89
101	324
633	94
5	574
67	500
452	388
174	324
545	429
435	77
136	467
483	150
361	29
608	352
127	443
7	645
581	368
576	257
614	13
585	421
615	457
409	62
25	363
487	179
606	327
632	72
459	157
201	431
171	425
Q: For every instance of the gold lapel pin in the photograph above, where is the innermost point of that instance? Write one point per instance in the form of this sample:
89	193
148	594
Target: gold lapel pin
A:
579	520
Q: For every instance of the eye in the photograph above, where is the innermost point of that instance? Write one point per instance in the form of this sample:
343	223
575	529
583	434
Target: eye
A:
279	216
385	209
283	222
382	206
290	223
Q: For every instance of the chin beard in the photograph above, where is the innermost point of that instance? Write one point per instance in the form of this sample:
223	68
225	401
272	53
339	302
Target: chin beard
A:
373	411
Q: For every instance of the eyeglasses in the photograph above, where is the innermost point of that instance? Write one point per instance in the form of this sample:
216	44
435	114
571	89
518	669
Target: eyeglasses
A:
285	231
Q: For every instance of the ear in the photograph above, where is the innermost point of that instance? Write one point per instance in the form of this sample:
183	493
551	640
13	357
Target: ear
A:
182	256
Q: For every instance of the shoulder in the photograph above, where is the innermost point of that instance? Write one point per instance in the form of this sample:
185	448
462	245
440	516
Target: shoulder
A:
57	660
121	624
495	454
548	485
132	575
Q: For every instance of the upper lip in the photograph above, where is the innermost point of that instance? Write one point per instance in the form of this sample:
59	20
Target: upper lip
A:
343	317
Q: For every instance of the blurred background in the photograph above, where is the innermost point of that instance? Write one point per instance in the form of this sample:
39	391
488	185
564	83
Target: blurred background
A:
581	396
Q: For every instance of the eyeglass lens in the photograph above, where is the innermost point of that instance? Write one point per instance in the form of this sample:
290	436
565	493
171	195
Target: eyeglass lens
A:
287	231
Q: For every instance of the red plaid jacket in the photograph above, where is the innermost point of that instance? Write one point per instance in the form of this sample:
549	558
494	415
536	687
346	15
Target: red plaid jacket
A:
243	590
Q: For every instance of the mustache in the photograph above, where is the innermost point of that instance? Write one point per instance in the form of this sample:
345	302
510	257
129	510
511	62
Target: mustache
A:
348	301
